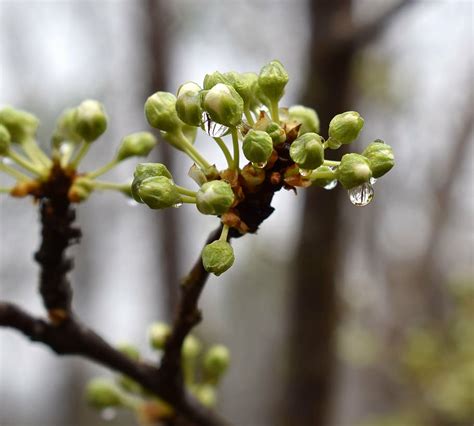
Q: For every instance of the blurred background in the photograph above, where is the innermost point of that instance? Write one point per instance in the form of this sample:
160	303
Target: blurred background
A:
334	315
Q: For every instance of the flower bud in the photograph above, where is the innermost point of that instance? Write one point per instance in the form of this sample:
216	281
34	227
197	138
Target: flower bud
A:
158	334
160	111
272	80
5	140
224	105
206	395
66	128
257	146
216	361
91	120
217	257
144	171
20	124
101	393
307	151
277	133
129	350
380	156
244	84
188	104
353	171
191	347
136	145
344	128
210	80
214	197
307	117
159	192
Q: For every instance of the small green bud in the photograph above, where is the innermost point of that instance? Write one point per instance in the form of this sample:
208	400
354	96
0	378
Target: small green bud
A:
244	84
206	395
188	104
216	361
91	120
101	393
217	257
136	145
307	151
144	171
20	124
353	171
327	172
210	80
191	347
307	117
277	133
159	192
5	140
257	146
380	156
272	80
66	128
158	334
160	111
129	350
224	105
214	197
344	128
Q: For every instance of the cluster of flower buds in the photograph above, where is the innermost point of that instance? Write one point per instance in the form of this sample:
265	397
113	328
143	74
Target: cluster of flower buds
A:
283	146
202	373
35	172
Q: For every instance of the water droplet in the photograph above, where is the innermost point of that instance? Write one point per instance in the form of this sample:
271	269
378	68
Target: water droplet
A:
331	185
177	205
260	165
213	129
305	173
108	413
372	180
361	195
132	203
7	161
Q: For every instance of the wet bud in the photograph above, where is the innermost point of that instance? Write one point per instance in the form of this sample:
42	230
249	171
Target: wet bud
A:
191	347
344	128
188	104
91	120
307	151
277	133
210	80
272	80
129	350
217	257
323	176
216	361
224	105
144	171
206	395
101	393
244	84
307	117
380	156
160	111
5	140
214	197
159	192
66	128
158	334
353	171
136	145
257	146
20	124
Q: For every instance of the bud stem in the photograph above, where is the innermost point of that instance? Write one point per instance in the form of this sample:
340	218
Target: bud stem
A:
5	190
122	187
323	175
35	153
224	233
102	170
330	163
235	144
225	150
14	172
80	154
248	116
193	153
188	199
275	113
185	191
26	164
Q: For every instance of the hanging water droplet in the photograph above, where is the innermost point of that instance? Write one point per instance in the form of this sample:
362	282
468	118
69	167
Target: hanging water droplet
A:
260	165
108	413
361	195
132	203
213	129
372	180
7	161
331	185
177	205
305	173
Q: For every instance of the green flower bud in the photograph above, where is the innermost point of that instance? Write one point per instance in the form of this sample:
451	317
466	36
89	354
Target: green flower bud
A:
224	105
272	80
307	151
188	104
244	84
5	140
158	334
307	117
380	156
20	124
91	120
136	145
160	111
206	395
217	257
144	171
216	361
277	133
159	192
344	128
210	80
191	347
214	197
257	146
323	176
101	393
66	128
353	171
260	98
129	350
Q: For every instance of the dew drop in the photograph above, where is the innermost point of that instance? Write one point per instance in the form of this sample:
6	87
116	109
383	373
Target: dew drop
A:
7	161
372	180
260	165
132	203
305	173
177	205
213	129
108	414
331	185
361	195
